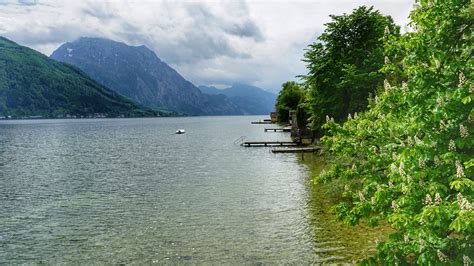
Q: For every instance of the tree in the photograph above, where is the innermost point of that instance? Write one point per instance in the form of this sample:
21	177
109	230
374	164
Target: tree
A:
344	64
410	155
288	99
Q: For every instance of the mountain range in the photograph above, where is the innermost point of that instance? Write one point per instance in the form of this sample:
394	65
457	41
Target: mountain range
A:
31	84
137	72
250	99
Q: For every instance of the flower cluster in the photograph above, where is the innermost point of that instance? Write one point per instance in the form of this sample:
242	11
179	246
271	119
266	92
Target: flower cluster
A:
466	260
438	198
428	199
452	145
441	256
462	79
361	196
464	204
404	86
463	131
329	119
395	205
459	170
406	238
422	163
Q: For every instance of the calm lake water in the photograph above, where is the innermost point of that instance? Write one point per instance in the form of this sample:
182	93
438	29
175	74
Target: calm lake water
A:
130	190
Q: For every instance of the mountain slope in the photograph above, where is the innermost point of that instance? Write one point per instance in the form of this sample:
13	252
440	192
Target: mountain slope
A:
136	72
250	99
32	84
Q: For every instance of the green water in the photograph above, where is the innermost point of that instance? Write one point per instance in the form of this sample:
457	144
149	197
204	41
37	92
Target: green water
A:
131	191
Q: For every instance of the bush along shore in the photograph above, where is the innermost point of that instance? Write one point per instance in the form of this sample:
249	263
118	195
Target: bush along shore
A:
395	112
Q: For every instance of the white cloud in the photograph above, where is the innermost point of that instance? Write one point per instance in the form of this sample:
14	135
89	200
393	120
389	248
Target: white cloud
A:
208	42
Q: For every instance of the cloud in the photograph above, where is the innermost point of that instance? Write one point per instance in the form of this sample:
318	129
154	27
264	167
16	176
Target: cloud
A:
27	2
209	42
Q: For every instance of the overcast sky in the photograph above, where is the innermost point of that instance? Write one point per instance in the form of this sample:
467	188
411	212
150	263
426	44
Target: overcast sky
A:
209	42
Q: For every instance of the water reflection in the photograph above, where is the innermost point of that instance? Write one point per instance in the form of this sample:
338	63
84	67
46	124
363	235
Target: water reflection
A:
339	242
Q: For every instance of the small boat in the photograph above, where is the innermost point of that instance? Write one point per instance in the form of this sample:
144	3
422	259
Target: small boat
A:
180	131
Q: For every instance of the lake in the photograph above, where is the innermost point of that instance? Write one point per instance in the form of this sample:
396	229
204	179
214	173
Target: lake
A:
130	190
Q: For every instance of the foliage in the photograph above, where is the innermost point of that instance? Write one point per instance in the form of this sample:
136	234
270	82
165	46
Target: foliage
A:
344	64
31	84
410	155
288	99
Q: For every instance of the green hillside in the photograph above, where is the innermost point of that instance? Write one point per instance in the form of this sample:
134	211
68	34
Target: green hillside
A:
31	84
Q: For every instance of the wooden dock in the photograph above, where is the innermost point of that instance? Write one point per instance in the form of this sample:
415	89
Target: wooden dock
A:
262	122
269	143
278	129
296	150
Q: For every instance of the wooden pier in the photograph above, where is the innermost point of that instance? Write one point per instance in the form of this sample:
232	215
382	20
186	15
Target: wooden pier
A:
278	129
296	150
269	143
262	122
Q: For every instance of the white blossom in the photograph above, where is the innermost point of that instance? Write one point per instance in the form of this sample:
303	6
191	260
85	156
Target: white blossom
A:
410	141
409	178
401	169
440	101
417	140
437	161
327	119
361	196
462	79
422	163
395	205
464	204
438	198
422	242
353	167
463	131
349	117
387	60
404	86
452	145
406	238
376	99
466	260
441	256
459	170
442	124
404	189
428	199
355	115
390	184
387	30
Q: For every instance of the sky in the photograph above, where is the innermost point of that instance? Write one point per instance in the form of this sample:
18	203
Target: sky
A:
219	43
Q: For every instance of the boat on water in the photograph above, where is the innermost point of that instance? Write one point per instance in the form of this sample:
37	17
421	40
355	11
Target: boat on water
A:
180	131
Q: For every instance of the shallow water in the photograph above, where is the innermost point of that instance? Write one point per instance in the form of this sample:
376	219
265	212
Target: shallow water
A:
130	190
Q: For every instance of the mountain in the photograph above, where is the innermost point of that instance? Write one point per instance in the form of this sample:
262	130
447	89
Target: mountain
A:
31	84
136	72
250	99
